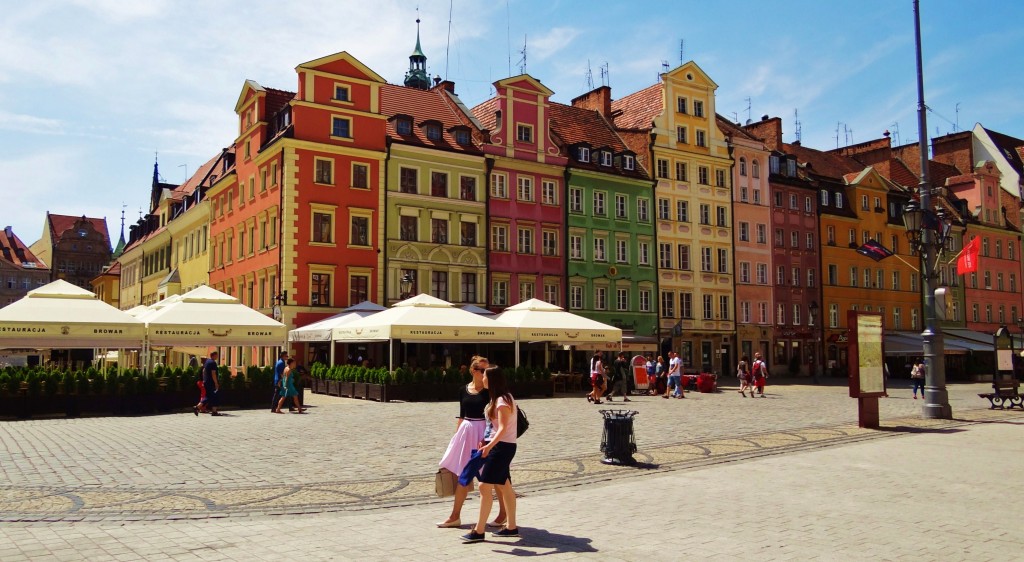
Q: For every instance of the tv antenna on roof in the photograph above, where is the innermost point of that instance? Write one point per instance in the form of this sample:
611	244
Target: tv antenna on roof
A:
796	124
522	61
748	109
606	76
956	125
682	49
590	77
448	45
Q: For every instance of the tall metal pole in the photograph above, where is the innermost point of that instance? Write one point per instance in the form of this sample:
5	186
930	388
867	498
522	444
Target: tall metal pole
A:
936	399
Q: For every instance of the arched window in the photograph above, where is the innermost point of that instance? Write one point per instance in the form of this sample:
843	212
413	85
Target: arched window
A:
743	166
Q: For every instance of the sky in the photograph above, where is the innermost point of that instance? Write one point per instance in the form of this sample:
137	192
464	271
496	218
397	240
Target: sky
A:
92	90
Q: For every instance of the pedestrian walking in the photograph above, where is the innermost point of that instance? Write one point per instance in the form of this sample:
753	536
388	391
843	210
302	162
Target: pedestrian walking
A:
675	371
200	407
287	388
279	367
469	432
501	411
760	373
210	382
598	381
620	370
661	371
652	375
743	373
917	378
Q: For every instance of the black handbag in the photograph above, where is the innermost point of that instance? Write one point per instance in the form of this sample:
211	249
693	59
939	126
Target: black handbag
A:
522	424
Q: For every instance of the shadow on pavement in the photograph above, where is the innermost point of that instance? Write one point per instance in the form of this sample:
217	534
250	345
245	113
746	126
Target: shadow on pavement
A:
908	429
539	538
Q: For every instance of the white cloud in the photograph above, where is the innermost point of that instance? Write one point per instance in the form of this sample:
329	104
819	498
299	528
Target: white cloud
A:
21	123
548	44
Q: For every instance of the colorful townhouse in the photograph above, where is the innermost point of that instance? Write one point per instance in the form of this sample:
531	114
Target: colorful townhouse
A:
75	249
20	270
296	226
435	217
752	219
611	272
526	187
672	128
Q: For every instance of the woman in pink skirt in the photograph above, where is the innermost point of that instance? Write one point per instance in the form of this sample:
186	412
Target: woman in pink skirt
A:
468	434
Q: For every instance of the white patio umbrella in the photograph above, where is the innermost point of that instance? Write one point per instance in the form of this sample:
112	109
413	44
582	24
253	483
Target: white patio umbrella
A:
207	317
423	319
320	330
60	315
537	320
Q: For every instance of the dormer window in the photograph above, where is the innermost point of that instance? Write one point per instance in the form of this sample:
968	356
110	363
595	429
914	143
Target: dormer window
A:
341	93
433	132
791	168
461	136
403	126
628	162
584	154
606	158
524	133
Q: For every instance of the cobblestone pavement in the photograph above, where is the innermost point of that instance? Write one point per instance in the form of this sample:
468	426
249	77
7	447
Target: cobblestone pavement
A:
915	490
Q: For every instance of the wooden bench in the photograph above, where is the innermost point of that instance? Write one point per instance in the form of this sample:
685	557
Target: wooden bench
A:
1005	394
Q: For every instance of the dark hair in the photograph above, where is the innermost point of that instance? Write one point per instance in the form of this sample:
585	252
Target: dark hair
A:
497	387
291	360
283	353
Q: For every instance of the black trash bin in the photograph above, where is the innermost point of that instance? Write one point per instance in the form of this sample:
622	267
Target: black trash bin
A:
618	443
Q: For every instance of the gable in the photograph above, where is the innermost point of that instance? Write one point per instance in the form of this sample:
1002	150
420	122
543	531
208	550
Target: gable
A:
342	64
250	90
692	73
526	83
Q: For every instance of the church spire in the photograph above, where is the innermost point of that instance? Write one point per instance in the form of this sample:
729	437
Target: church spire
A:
417	75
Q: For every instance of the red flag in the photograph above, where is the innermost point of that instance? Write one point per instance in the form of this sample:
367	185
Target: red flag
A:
968	262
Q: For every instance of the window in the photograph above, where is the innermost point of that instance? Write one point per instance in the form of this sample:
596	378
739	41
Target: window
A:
723	260
984	247
744	232
549	243
643	210
322	232
599	210
628	162
705	259
723	307
341	93
663	209
583	154
853	236
864	202
665	256
407	180
681	171
744	195
341	127
551	293
702	138
645	253
824	198
524	133
439	231
810	277
988	280
620	206
439	284
745	312
467	188
796	314
698	108
499	293
683	251
681	134
526	290
778	198
744	272
681	105
833	315
780	236
708	312
853	276
408	227
462	136
743	166
606	158
320	289
360	176
439	184
808	204
810	241
723	219
682	211
1009	251
762	313
645	300
793	201
668	305
575	200
755	169
662	168
780	275
795	277
599	250
575	296
686	304
999	249
467	233
499	186
762	274
622	299
705	213
525	188
575	247
323	171
468	287
403	126
358	289
867	278
839	200
360	232
621	251
762	234
549	195
757	196
794	239
525	240
702	175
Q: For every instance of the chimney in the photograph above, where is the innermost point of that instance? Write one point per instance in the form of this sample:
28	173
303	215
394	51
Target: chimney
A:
446	84
599	100
769	130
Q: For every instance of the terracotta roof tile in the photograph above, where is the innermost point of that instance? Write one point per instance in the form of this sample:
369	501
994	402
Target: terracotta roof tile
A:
14	251
276	99
190	185
732	129
638	110
576	125
823	163
59	224
486	113
426	105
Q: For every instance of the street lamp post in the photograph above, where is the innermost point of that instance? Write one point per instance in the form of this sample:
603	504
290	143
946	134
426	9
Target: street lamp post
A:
813	308
405	285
